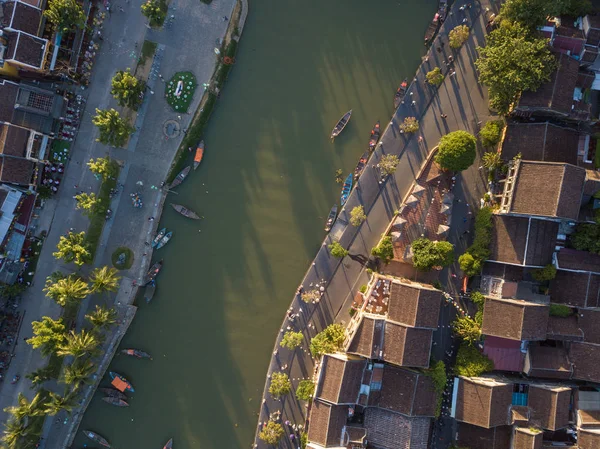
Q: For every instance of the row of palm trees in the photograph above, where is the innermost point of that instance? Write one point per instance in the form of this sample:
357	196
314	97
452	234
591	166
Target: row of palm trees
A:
53	340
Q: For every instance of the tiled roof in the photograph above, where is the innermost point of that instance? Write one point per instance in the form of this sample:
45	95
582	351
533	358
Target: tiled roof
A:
368	338
526	438
549	362
407	392
592	182
584	357
414	306
573	288
540	142
515	319
484	403
564	328
557	94
24	17
13	140
340	380
509	273
475	437
588	438
326	423
16	171
388	430
406	346
8	96
26	49
506	354
534	195
588	418
550	406
589	321
571	259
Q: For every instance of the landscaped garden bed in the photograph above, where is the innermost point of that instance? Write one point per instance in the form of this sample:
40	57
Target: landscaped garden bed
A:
180	91
59	151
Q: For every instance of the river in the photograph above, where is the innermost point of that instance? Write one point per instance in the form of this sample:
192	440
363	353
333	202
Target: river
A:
265	188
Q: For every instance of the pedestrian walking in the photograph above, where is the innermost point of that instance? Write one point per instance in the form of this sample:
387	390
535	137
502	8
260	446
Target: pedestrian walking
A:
121	9
225	19
151	219
444	116
147	243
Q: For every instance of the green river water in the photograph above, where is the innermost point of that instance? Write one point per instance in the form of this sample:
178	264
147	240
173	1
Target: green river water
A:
265	187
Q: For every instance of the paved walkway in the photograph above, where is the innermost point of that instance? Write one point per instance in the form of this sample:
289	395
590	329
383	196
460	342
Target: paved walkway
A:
145	160
465	103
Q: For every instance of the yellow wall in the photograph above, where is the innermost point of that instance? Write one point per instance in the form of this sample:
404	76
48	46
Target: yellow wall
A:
9	70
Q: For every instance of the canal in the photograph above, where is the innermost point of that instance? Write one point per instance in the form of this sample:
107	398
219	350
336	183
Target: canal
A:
265	188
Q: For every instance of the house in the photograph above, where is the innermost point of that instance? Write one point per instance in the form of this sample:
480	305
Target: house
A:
339	379
414	306
527	438
475	437
505	353
575	288
549	406
481	401
515	319
547	362
585	357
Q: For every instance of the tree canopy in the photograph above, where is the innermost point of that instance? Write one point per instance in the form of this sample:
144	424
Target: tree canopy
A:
491	132
491	160
292	340
328	340
78	372
66	290
458	36
102	317
587	237
271	432
470	265
512	62
114	130
338	250
89	202
65	15
428	254
73	248
305	390
456	151
104	279
388	164
103	167
470	362
79	344
155	11
48	334
127	89
357	216
544	274
435	77
467	329
384	250
57	403
280	384
409	125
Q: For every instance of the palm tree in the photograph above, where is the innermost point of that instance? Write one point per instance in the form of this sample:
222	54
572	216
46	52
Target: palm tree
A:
78	372
79	344
14	431
491	160
102	317
56	402
66	290
25	409
104	279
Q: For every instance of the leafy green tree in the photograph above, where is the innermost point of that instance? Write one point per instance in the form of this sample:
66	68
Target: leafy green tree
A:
384	250
271	433
410	125
491	132
41	375
478	299
48	334
544	274
127	89
79	344
280	385
14	432
78	372
467	329
104	279
587	237
456	151
388	164
328	340
25	408
102	317
310	296
435	77
67	290
114	130
103	167
458	36
469	264
512	62
11	291
65	15
155	12
491	160
428	254
357	216
560	310
574	8
292	340
470	362
338	250
90	203
57	403
73	248
305	390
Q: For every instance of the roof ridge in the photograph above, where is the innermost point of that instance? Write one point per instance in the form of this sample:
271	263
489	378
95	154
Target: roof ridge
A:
560	189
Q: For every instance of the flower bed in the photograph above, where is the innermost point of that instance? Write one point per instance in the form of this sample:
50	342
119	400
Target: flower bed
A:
180	91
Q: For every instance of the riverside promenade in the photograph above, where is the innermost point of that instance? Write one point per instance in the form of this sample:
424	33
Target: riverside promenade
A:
144	164
465	103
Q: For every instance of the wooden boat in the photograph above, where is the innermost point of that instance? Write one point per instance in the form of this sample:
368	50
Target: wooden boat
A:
346	189
111	392
331	218
158	237
169	444
375	133
185	212
199	154
97	438
150	290
362	163
115	401
432	28
180	177
341	124
400	93
164	240
153	272
120	383
136	353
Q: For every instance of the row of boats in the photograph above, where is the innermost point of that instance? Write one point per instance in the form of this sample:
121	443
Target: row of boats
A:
181	176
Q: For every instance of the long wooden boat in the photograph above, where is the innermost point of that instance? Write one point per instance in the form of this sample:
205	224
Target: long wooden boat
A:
341	124
111	392
150	290
432	28
164	240
136	353
153	272
169	444
115	401
199	154
180	177
400	93
362	163
156	240
120	383
97	438
331	218
375	134
346	189
185	211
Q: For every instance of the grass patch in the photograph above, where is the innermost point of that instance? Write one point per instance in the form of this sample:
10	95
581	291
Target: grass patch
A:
223	69
188	83
128	258
98	219
148	50
560	310
59	151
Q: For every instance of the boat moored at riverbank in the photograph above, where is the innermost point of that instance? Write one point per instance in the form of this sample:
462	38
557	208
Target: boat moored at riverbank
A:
185	211
375	134
150	290
341	124
153	272
111	392
158	237
400	93
136	353
180	177
199	154
331	218
346	189
97	438
120	383
164	240
115	401
362	162
169	444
